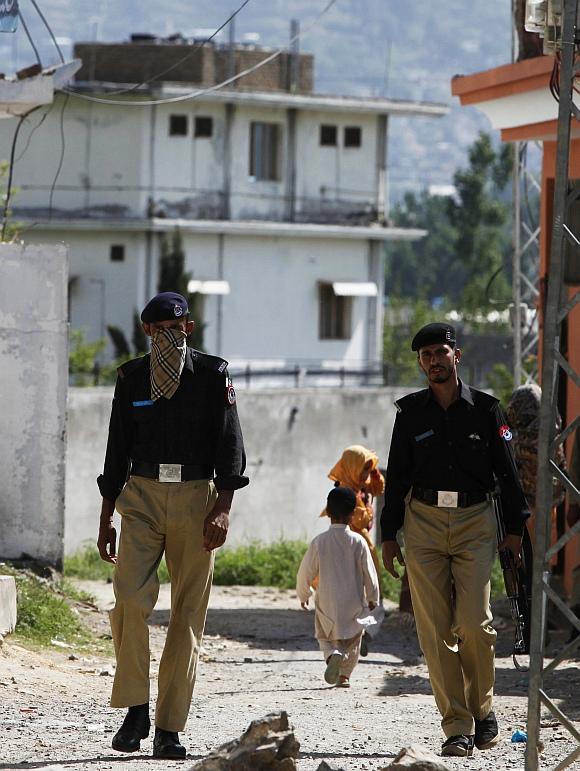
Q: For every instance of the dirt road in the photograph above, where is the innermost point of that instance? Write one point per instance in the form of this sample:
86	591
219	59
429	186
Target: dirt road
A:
258	656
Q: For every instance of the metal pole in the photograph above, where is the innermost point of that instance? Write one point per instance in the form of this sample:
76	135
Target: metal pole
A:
516	269
550	344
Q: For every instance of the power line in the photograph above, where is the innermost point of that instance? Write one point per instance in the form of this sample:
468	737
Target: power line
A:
38	125
195	94
61	159
30	40
48	27
8	195
191	53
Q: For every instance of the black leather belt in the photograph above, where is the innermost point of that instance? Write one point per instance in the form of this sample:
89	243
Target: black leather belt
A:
170	472
432	497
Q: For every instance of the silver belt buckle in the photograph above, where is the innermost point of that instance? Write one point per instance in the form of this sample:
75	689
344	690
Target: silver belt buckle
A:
170	472
447	498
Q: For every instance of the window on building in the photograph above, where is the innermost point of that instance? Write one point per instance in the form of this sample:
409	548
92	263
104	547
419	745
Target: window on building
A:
334	314
178	125
203	127
352	136
265	151
117	252
328	136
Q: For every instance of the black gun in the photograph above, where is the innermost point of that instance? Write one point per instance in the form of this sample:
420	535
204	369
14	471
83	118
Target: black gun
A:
518	585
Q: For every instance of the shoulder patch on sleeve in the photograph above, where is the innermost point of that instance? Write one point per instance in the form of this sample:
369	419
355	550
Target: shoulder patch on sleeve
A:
131	366
230	392
407	401
483	398
215	363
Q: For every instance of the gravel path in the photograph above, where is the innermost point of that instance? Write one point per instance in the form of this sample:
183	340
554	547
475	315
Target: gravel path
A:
258	656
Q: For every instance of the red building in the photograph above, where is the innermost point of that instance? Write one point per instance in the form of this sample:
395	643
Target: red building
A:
517	100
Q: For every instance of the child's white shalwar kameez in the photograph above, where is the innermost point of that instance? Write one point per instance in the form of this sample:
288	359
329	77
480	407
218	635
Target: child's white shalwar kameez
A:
347	583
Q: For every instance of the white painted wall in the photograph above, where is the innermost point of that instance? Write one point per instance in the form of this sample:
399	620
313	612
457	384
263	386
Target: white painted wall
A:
116	157
33	386
293	437
102	292
345	172
272	312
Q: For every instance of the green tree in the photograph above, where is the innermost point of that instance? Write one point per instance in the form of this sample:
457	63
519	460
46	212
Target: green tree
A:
468	241
174	278
403	317
480	218
83	364
424	268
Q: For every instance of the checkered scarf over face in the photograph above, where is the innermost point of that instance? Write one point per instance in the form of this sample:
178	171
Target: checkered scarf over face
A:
168	348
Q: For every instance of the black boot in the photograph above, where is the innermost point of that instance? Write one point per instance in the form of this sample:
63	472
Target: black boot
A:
166	745
135	727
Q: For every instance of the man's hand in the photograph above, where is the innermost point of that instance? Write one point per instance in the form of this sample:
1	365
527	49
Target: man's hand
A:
304	605
107	539
217	522
514	544
573	514
391	549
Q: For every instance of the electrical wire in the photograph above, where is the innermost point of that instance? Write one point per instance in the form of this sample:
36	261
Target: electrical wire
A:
195	94
61	159
176	64
29	36
38	125
48	27
10	179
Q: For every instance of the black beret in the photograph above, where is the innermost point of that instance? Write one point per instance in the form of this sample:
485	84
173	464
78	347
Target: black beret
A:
434	333
340	501
165	307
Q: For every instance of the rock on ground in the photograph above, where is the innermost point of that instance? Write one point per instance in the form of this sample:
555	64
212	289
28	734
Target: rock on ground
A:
268	744
416	758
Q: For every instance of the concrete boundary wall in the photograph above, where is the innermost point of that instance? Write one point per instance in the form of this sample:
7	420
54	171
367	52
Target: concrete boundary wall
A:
293	437
33	386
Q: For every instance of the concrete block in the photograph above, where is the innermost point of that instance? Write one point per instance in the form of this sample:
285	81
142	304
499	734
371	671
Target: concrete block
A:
7	604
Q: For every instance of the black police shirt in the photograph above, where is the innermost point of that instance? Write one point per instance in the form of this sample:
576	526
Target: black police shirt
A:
465	448
199	425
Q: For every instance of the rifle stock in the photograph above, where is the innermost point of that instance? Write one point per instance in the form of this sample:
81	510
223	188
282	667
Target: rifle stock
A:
518	584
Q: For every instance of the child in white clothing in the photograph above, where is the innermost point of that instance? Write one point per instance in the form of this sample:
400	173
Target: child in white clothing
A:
348	587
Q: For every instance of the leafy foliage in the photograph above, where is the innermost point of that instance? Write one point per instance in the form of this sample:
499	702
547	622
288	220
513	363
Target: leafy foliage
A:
82	358
402	319
12	228
44	614
468	242
174	278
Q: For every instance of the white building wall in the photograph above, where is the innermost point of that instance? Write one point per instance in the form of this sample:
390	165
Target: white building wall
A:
117	157
33	387
272	312
189	166
271	315
251	198
102	292
342	172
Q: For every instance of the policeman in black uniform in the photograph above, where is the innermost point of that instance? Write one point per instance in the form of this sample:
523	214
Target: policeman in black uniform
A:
449	449
174	457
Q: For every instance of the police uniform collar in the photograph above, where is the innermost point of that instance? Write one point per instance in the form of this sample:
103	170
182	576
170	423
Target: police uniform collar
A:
464	393
189	360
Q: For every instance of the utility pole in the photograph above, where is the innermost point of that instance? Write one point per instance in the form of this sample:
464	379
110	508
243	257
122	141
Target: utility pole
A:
557	308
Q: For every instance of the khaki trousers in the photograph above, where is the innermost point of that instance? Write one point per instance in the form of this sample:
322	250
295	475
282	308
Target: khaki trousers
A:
348	649
445	546
159	517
